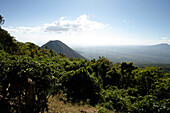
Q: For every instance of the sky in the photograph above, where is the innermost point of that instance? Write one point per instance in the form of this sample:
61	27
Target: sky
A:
88	22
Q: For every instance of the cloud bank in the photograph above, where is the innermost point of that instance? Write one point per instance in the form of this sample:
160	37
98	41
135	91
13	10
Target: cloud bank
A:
82	23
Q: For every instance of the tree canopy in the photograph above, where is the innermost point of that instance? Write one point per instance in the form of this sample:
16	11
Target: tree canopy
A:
1	20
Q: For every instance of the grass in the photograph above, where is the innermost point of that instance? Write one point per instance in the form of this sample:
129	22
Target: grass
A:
58	106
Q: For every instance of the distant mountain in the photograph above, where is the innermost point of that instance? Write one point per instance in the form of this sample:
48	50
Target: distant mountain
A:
161	49
152	54
60	47
162	45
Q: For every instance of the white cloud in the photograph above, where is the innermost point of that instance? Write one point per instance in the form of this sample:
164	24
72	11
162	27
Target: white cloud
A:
82	23
164	38
23	29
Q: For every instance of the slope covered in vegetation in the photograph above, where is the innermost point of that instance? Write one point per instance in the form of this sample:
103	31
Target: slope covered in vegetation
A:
29	75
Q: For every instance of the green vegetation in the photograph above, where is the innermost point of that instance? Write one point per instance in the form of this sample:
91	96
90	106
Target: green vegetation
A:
165	67
29	75
1	20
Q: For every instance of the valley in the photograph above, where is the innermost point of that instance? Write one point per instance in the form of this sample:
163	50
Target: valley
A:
153	54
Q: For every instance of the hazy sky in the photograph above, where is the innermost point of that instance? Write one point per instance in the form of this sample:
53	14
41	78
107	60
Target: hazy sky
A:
88	22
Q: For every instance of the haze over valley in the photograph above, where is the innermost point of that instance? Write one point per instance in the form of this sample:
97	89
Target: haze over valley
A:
150	54
153	54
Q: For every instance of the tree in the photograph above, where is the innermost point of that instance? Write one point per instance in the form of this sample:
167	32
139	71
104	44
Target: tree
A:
7	42
46	47
1	20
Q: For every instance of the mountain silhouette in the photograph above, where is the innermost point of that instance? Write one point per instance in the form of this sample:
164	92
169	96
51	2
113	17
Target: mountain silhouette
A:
62	48
163	45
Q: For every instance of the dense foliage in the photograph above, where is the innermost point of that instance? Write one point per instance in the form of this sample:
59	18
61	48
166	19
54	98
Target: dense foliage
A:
29	75
165	67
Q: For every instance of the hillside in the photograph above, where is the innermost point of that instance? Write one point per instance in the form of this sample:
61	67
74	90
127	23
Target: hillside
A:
62	48
30	76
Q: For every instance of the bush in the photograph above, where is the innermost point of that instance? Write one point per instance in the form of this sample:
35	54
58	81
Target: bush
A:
25	83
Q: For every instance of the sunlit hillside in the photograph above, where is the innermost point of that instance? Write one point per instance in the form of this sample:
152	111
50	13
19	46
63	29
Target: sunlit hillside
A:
30	76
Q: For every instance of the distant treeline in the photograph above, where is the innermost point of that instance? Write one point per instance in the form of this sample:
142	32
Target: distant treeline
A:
165	67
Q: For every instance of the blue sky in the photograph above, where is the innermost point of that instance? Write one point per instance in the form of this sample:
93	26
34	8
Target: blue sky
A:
88	22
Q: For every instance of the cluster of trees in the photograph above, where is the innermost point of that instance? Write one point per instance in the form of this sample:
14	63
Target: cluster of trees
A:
165	67
29	75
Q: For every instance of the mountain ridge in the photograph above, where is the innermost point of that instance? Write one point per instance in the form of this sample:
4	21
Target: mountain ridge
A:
62	48
162	44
